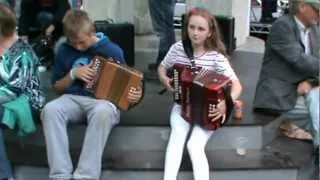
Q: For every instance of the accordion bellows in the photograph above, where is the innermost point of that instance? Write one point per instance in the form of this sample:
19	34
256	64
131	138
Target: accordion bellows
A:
113	81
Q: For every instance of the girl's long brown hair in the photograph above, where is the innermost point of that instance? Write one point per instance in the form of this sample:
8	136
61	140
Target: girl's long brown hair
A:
214	42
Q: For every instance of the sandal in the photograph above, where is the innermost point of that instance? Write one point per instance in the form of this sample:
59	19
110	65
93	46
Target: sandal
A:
292	131
298	133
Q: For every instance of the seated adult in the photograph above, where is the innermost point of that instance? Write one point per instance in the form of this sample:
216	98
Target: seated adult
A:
288	83
72	70
20	97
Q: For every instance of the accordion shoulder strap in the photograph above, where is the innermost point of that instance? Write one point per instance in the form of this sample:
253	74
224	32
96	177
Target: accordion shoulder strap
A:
187	47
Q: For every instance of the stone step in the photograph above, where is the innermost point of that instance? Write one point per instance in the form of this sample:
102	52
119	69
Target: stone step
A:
283	159
31	173
142	138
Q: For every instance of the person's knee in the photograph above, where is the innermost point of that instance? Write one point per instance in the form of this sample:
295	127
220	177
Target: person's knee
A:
51	109
178	136
102	109
179	133
103	113
194	148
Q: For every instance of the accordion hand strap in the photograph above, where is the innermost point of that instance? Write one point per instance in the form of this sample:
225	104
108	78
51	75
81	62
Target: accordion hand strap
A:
229	102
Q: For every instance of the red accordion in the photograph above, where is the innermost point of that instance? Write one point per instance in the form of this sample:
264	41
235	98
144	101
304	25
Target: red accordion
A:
198	92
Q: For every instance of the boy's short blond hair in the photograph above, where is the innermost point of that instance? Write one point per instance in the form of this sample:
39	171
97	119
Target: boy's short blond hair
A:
76	21
8	22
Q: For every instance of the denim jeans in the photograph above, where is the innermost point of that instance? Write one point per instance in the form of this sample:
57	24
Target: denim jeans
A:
306	113
101	116
162	12
5	167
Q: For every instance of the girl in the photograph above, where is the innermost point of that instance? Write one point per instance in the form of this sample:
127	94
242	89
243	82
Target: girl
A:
209	53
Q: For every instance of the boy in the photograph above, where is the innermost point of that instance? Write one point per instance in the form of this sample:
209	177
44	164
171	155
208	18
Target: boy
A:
71	71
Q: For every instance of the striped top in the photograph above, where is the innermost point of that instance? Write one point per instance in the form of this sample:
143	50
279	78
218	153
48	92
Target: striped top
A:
210	60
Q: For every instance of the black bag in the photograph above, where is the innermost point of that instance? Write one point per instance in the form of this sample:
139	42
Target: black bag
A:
226	25
43	47
121	34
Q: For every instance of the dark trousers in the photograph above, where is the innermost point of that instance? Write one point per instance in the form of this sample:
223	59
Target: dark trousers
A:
5	167
162	12
31	22
268	7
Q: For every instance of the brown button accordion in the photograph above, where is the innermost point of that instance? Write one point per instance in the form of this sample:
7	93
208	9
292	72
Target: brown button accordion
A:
113	81
199	92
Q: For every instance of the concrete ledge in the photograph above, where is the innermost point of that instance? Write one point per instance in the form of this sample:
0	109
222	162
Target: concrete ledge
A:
28	173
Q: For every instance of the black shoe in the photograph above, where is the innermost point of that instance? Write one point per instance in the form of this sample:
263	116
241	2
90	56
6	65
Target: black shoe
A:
151	75
153	67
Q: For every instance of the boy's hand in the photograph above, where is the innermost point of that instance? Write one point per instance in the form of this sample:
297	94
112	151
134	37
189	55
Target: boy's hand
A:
85	73
134	95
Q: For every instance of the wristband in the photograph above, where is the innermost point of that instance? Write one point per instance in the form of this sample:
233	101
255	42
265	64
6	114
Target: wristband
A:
72	74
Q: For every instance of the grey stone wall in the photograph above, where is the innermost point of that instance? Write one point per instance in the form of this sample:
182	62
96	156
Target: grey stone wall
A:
137	12
133	11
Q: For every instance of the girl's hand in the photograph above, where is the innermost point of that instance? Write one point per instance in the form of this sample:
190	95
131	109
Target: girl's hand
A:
164	79
218	111
167	82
